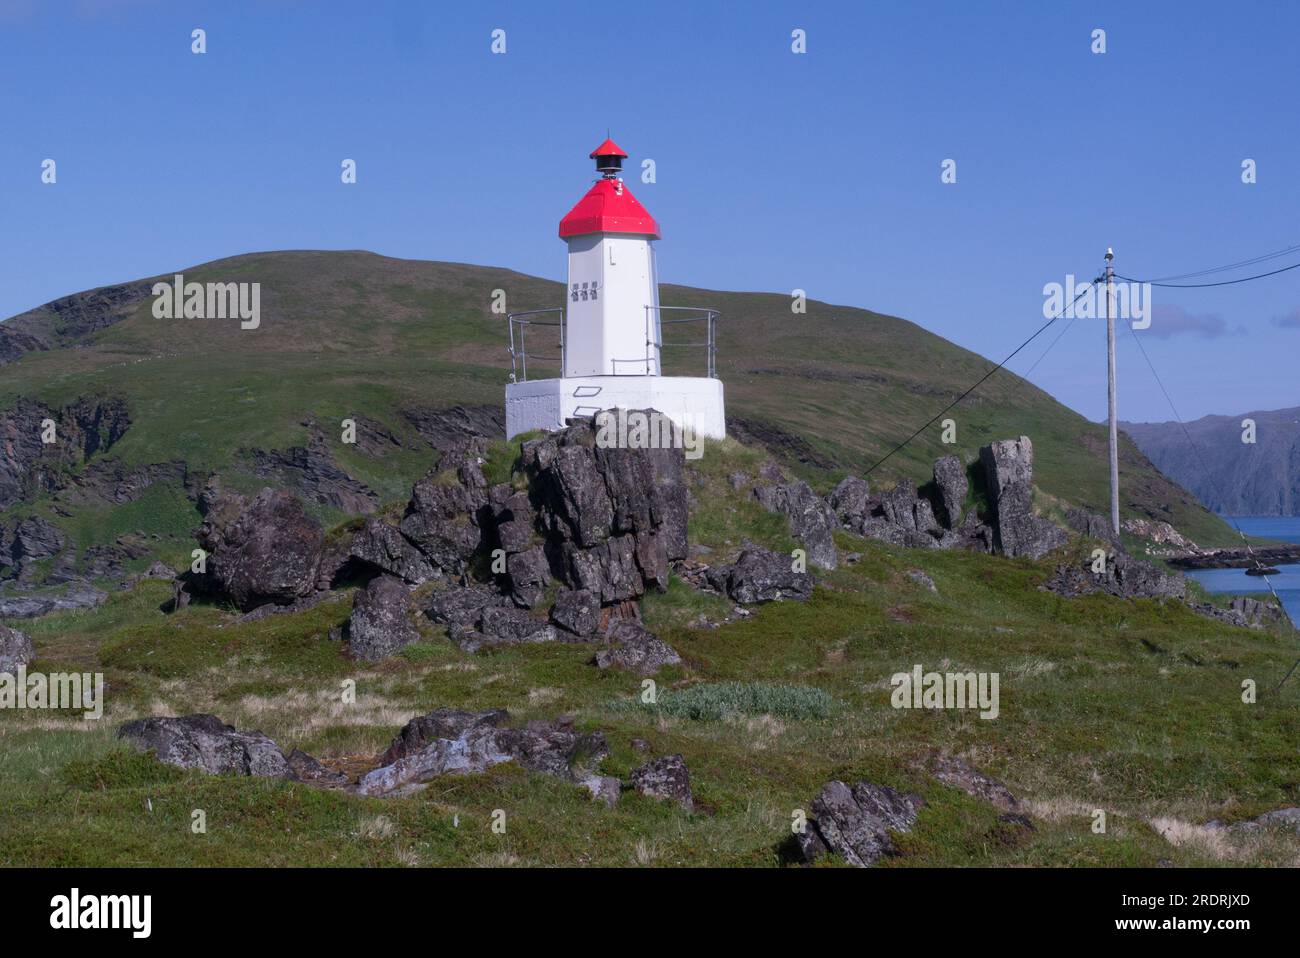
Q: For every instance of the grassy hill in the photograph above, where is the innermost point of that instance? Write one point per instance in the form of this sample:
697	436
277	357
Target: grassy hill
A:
345	333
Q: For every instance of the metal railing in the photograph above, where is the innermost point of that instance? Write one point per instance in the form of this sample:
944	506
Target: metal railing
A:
710	319
519	353
519	323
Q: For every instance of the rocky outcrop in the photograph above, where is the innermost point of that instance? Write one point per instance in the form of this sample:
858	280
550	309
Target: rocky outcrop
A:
1243	611
15	650
382	621
577	612
259	551
28	466
205	743
951	485
812	521
760	575
384	549
312	471
1009	479
448	518
67	320
109	481
1123	576
454	426
70	597
26	541
448	741
1090	525
957	773
632	647
856	822
665	778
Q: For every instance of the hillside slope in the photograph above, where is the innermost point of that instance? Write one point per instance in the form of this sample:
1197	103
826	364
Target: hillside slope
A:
353	334
1230	476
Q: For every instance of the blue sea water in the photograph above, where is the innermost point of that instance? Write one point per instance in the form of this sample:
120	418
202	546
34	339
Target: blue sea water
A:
1287	583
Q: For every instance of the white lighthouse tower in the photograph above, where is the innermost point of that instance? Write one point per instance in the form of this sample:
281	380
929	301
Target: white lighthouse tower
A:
611	326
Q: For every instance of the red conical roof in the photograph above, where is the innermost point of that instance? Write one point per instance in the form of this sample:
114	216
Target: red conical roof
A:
608	207
608	148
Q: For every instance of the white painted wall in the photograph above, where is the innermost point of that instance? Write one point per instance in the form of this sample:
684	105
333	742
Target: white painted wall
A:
612	278
693	401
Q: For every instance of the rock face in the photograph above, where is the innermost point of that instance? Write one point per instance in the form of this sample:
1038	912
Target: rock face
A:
1090	525
760	575
452	742
812	520
1009	478
205	743
15	650
633	648
577	612
665	778
448	510
855	823
1124	576
28	466
850	500
266	550
382	619
952	485
312	471
26	541
384	549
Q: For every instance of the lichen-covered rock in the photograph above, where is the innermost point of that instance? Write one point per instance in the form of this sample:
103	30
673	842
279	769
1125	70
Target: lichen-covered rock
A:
952	485
443	518
305	768
855	823
385	549
461	606
1009	476
528	574
382	622
630	646
851	500
514	519
266	550
450	742
1124	576
811	520
760	575
205	743
577	611
665	777
15	650
512	626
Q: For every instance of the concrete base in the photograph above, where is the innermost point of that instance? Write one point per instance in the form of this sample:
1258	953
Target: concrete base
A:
690	401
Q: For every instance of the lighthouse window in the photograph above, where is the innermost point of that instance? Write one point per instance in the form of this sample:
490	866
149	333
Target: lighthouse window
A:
574	294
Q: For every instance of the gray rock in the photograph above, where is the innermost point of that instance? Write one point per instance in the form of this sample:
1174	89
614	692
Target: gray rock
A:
851	500
15	650
922	579
1090	524
811	520
267	550
514	520
952	485
461	607
382	621
665	777
474	742
856	823
1124	576
528	574
760	575
203	742
1009	475
577	611
441	723
632	647
384	549
955	772
511	626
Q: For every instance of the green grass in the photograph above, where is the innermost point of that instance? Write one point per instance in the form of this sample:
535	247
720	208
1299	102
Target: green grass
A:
718	700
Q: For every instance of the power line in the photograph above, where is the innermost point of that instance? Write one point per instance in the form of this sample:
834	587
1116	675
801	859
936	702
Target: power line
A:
1225	282
1237	265
982	379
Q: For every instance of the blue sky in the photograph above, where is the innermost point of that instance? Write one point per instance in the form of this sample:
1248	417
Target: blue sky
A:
775	171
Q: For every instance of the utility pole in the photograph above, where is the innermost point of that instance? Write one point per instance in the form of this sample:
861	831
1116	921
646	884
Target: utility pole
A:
1110	391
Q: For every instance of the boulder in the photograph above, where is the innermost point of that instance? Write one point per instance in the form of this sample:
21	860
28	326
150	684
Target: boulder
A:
811	520
267	550
951	484
384	549
1124	576
449	742
577	611
15	650
760	575
511	626
305	768
898	505
1009	477
665	777
955	772
630	646
855	823
205	743
382	619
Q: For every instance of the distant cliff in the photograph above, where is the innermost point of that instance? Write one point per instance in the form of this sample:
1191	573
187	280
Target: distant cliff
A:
1228	475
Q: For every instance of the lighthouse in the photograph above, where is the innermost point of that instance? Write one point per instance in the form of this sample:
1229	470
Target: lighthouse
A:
607	340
